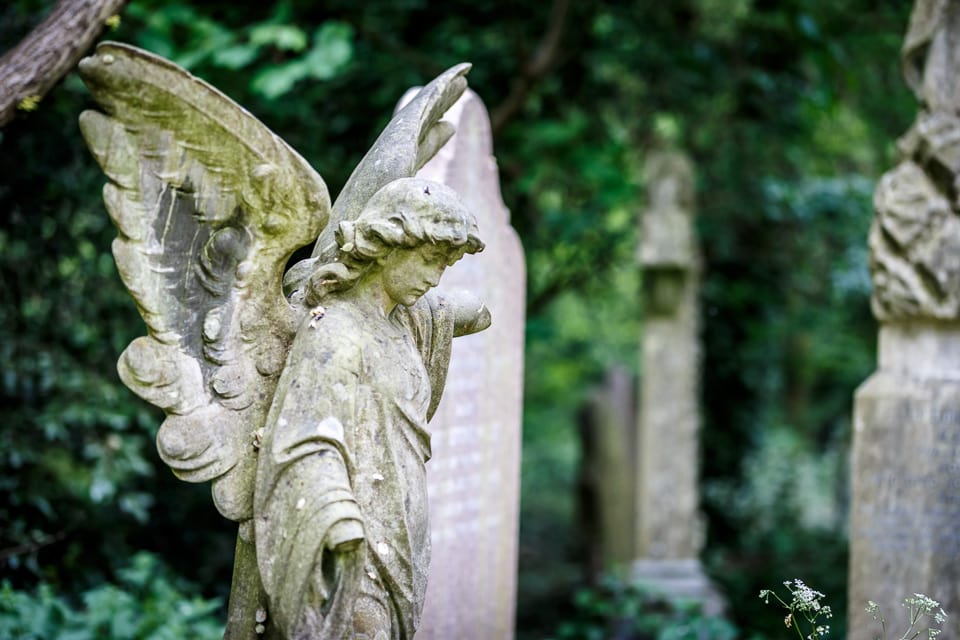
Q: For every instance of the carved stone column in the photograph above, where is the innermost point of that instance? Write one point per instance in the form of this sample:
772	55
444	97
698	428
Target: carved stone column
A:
669	527
905	512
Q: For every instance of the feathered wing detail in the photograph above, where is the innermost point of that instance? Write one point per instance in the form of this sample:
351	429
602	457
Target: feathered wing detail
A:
413	136
209	205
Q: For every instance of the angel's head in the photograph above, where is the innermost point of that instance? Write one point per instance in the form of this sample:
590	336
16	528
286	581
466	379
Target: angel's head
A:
409	231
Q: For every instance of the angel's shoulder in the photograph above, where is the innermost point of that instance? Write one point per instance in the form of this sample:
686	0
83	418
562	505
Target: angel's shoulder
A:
341	318
333	332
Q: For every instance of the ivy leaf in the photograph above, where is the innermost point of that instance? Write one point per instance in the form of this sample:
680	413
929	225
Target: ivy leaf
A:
276	81
286	37
331	52
101	489
235	57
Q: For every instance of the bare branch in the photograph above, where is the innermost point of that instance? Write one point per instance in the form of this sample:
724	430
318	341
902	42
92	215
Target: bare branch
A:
543	59
31	547
49	52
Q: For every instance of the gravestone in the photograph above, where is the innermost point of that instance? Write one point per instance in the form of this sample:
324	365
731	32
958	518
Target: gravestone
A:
905	512
473	478
607	483
669	528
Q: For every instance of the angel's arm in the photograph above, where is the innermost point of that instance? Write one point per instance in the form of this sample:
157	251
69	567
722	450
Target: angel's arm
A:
304	498
470	315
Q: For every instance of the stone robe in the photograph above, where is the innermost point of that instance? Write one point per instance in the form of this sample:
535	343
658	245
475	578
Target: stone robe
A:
346	440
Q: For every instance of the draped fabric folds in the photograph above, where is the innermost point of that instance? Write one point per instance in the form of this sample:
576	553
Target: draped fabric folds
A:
344	450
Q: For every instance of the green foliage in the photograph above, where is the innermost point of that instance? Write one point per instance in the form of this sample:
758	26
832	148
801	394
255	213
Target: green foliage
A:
800	353
777	106
147	604
280	53
331	51
81	487
74	443
618	609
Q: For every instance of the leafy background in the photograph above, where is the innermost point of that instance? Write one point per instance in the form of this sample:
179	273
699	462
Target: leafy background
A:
790	110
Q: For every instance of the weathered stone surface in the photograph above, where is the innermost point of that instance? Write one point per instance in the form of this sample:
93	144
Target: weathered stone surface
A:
309	414
670	530
666	227
681	579
931	55
668	524
473	477
607	491
915	237
905	513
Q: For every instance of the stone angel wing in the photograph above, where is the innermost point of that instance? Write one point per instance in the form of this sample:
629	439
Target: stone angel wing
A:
415	134
209	205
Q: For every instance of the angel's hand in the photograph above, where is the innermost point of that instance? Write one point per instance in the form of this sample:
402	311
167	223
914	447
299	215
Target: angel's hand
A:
343	539
470	315
344	536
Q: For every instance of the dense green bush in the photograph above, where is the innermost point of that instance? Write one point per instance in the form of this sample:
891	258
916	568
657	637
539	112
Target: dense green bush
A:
618	610
147	604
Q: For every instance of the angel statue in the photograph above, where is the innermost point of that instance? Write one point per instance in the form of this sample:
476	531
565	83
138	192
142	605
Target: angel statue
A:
305	398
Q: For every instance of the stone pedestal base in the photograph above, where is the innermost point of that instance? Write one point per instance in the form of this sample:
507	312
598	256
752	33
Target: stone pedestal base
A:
680	579
905	509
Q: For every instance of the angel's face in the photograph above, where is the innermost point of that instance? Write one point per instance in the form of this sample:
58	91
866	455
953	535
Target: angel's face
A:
409	273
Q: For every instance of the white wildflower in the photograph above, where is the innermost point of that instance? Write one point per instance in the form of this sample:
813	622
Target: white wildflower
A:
805	598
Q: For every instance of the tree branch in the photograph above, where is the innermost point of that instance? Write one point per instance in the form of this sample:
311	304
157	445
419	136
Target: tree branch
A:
50	51
543	58
426	65
30	547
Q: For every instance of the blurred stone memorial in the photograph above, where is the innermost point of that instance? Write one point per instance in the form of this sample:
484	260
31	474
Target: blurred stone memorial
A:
303	395
474	477
905	511
606	500
669	528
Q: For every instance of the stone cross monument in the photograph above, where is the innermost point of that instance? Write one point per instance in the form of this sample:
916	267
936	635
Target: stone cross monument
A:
669	528
905	511
473	479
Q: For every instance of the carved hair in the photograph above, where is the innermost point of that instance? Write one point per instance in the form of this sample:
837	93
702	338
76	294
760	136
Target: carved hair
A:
405	214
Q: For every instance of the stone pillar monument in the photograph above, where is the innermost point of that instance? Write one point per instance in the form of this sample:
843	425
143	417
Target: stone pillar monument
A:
669	527
607	482
905	512
473	478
